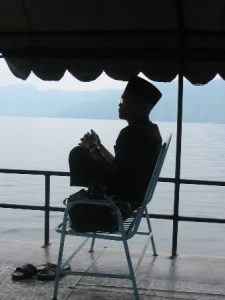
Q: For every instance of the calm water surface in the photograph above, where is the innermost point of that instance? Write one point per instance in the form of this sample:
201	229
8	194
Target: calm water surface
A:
44	144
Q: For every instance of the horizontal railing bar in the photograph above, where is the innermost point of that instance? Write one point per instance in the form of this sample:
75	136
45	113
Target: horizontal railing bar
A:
201	219
161	179
202	182
153	216
35	172
160	216
31	207
57	208
188	219
21	206
193	181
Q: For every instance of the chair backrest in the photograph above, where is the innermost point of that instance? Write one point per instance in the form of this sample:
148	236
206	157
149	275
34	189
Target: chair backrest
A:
153	182
157	170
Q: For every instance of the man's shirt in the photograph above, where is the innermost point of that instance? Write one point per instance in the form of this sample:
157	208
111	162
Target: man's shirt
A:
136	152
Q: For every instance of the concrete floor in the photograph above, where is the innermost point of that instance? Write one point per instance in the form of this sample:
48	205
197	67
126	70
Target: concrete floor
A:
186	277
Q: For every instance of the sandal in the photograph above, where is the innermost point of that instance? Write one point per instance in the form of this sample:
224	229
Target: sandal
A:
24	272
49	272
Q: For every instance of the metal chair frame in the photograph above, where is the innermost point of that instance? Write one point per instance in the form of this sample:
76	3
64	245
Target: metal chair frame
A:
127	229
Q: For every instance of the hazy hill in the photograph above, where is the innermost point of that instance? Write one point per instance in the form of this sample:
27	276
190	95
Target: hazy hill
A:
201	104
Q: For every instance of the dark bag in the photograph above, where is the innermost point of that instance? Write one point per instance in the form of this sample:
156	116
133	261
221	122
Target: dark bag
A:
91	218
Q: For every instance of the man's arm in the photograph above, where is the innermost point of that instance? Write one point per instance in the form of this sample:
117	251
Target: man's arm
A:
107	155
105	158
92	142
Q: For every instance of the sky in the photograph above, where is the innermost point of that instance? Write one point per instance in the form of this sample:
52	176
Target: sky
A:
68	82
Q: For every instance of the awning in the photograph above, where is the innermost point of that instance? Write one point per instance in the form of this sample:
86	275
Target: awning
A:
159	38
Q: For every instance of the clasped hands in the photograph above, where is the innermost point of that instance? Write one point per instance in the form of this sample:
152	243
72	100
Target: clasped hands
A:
90	141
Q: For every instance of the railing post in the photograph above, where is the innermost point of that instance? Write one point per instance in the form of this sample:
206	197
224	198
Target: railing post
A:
47	209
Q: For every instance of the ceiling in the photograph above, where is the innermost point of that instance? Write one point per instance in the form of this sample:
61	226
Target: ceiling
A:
158	38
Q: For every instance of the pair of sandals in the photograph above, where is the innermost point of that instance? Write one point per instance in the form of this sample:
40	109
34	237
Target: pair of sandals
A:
41	272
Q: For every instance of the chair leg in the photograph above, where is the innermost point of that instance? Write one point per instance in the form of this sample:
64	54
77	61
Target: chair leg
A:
92	245
150	231
131	270
59	263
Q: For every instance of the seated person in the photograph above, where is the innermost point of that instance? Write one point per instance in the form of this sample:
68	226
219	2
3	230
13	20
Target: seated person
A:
126	175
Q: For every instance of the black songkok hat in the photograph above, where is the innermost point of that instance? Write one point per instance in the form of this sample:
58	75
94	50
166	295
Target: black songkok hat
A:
142	89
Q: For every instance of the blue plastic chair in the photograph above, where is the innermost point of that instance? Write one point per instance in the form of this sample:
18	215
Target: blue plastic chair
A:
127	229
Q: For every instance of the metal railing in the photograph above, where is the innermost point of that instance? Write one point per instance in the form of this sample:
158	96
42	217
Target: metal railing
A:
47	206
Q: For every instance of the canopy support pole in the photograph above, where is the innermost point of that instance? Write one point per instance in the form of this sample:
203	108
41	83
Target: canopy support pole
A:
178	164
181	60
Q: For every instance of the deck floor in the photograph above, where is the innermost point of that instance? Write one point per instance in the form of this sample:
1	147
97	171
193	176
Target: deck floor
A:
186	277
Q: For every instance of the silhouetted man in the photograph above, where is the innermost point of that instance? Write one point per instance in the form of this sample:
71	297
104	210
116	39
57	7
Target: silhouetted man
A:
124	176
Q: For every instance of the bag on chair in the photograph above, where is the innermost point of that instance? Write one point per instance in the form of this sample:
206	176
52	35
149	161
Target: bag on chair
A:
88	217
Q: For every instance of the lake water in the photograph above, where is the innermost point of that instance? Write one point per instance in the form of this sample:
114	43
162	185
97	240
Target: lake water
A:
44	144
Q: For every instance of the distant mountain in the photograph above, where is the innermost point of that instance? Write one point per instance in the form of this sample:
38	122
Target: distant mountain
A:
25	100
201	103
204	103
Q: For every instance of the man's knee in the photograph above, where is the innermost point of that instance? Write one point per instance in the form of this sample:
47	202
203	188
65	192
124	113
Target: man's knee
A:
82	167
78	154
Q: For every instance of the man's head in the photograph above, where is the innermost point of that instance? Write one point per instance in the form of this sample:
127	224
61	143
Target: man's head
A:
138	99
